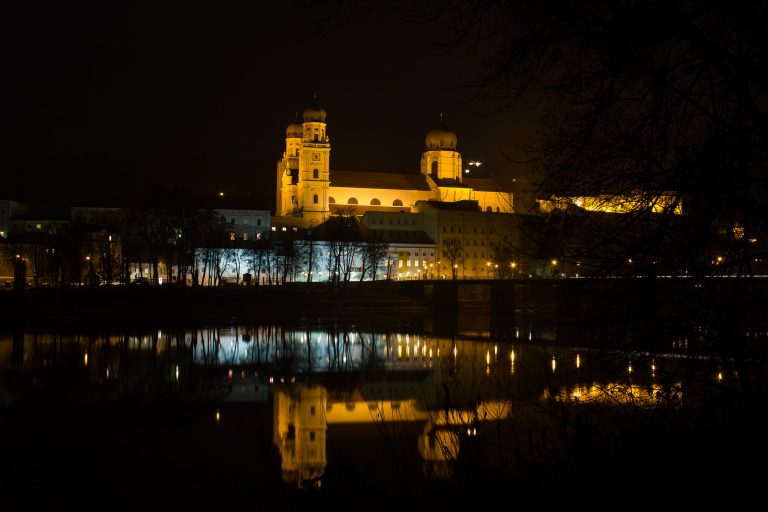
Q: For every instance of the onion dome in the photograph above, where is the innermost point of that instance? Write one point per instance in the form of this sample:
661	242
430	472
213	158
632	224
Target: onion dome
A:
441	139
314	114
294	131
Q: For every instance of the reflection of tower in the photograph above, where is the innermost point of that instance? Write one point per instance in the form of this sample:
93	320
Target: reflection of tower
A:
299	433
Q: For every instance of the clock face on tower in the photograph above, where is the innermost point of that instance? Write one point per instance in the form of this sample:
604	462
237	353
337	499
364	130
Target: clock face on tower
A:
315	157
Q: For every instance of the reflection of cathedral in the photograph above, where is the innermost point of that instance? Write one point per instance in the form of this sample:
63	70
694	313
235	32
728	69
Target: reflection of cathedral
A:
308	189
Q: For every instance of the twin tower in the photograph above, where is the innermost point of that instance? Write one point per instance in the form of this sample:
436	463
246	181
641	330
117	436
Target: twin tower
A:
304	185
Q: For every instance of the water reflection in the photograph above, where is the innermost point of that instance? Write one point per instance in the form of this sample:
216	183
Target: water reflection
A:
430	407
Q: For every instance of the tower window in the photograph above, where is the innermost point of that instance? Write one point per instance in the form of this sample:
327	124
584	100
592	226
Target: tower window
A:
397	202
314	198
488	209
434	167
315	138
352	200
314	173
375	202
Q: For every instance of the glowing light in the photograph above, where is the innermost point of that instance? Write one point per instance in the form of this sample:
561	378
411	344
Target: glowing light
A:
512	356
177	372
720	376
218	416
85	359
553	263
229	374
455	351
629	368
430	353
554	364
495	350
578	361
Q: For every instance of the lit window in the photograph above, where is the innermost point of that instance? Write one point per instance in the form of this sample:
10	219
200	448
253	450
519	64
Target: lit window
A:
409	263
258	236
273	228
417	263
245	236
400	263
231	235
245	220
285	229
38	226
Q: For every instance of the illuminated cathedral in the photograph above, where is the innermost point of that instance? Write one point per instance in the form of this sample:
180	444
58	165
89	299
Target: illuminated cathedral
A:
309	190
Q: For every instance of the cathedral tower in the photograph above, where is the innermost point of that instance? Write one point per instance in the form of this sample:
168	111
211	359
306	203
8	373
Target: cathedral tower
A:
441	160
314	166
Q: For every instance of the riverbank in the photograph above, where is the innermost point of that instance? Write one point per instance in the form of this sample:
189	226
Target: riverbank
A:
166	306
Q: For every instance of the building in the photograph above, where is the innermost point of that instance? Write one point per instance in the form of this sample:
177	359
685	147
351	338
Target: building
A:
309	190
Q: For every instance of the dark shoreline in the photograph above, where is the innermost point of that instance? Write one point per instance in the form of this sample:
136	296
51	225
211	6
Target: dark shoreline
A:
130	307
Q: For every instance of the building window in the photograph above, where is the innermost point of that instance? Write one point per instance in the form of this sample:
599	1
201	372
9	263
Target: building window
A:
417	263
258	222
497	209
231	235
273	228
312	410
314	199
232	221
397	202
312	434
409	263
375	202
245	220
245	236
331	200
434	167
258	235
400	264
489	209
314	173
352	200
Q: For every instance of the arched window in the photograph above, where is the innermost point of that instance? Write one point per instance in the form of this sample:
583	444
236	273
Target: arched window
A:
397	202
331	200
489	209
434	167
352	200
375	202
497	209
314	199
314	173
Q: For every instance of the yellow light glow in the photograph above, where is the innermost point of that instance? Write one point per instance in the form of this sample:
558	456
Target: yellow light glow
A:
454	351
85	359
578	361
495	350
554	263
720	376
512	356
554	364
487	357
218	416
629	368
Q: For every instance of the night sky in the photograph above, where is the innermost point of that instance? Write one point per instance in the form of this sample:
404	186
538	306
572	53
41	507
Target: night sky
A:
111	99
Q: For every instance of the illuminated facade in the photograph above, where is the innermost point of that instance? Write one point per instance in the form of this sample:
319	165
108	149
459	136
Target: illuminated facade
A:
307	188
